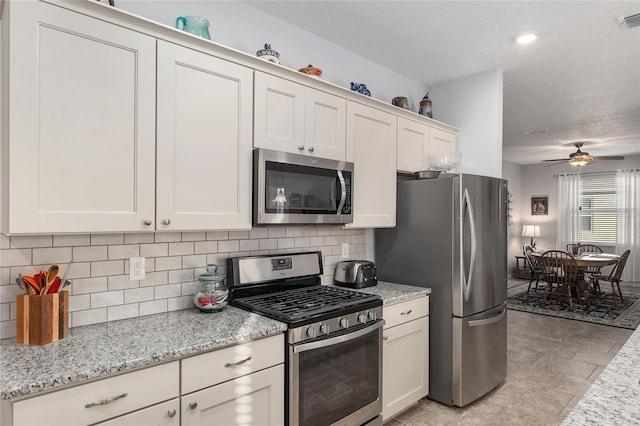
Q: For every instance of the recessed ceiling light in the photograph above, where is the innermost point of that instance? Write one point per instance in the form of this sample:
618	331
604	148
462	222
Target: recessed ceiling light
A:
527	38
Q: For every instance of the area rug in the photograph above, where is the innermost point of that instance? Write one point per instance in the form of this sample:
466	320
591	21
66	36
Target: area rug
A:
600	310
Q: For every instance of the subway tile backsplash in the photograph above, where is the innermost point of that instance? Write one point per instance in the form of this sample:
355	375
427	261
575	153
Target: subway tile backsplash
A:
99	266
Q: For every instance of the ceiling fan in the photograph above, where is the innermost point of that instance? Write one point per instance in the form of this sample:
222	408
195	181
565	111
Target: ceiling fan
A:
581	158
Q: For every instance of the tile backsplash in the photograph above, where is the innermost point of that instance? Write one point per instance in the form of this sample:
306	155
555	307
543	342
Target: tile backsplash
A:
101	290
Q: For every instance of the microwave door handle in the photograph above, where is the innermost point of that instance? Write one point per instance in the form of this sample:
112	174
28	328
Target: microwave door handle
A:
343	192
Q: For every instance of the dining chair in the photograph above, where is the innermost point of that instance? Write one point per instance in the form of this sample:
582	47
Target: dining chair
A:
613	277
534	267
560	268
591	270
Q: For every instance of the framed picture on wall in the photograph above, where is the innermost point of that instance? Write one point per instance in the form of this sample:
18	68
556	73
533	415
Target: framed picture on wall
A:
539	206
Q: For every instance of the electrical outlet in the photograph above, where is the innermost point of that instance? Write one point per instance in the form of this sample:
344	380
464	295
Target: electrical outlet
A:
136	268
345	250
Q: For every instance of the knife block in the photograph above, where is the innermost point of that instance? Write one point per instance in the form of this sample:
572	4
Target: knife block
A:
42	319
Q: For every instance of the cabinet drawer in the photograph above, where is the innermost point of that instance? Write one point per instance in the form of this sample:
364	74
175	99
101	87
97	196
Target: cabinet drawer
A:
164	414
215	367
69	407
400	313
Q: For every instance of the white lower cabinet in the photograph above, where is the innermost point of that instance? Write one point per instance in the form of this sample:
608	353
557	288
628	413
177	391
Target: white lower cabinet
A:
163	414
255	399
238	385
405	354
105	399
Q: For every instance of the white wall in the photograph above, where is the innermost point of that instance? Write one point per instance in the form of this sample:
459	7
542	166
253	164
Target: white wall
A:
513	174
244	28
538	180
474	105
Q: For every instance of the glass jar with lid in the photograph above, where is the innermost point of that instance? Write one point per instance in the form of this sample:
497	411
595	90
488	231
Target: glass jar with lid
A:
212	294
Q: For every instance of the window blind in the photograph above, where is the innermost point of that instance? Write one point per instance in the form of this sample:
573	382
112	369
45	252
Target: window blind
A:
598	210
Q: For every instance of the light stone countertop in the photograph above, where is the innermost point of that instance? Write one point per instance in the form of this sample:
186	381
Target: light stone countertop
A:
614	398
96	351
392	293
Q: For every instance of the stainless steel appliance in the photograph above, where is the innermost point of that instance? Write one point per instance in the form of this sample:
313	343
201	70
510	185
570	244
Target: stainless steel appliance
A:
450	235
300	189
334	337
356	274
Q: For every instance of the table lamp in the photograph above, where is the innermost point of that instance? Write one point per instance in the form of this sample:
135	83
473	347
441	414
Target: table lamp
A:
531	231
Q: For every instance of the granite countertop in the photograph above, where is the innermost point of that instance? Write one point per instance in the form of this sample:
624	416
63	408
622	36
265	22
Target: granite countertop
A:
99	350
392	293
614	398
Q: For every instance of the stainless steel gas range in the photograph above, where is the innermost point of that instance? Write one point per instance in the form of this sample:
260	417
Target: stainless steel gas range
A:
334	337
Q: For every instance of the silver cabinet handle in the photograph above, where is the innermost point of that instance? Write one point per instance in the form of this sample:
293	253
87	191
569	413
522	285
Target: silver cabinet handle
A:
311	149
406	312
172	412
301	148
166	221
193	405
147	222
105	401
386	337
233	364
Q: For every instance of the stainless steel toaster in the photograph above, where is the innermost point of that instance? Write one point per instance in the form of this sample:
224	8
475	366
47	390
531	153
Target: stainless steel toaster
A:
356	274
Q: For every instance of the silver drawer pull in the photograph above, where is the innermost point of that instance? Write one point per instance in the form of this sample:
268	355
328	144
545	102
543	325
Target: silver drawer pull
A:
172	412
233	364
386	337
406	312
193	405
105	401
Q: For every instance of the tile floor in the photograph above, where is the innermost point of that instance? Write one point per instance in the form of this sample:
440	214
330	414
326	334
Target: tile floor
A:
551	364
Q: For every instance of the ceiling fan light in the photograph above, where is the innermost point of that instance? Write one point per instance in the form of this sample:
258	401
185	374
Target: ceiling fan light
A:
580	160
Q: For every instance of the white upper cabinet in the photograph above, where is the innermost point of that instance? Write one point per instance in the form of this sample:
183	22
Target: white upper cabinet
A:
79	118
417	141
371	145
204	141
290	117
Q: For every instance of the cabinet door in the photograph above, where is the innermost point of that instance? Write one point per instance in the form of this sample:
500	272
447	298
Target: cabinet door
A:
165	414
255	399
371	146
442	144
204	141
81	127
405	353
325	127
279	114
413	145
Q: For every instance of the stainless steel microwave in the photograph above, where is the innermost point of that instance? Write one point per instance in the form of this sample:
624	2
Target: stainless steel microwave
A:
300	189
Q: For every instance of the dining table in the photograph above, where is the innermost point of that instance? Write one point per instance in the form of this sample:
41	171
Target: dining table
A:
589	260
584	261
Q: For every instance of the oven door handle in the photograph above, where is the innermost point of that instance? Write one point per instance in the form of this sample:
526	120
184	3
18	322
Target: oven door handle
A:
337	340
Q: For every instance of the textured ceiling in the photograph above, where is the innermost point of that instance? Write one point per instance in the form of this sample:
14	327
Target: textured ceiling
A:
580	81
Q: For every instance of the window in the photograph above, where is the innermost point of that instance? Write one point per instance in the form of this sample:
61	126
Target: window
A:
597	210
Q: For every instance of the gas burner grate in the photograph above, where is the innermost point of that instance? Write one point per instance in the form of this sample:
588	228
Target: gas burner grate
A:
302	303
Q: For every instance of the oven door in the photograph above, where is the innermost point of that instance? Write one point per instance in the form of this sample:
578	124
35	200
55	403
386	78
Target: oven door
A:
337	380
299	189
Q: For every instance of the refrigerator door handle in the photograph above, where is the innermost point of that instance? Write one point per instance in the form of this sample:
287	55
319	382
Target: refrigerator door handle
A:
467	278
488	321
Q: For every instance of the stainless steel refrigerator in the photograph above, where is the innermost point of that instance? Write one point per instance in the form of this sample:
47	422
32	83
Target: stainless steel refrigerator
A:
451	236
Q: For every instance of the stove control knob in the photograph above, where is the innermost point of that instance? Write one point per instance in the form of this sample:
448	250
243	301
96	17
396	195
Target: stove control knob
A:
362	318
324	328
344	322
311	332
371	315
